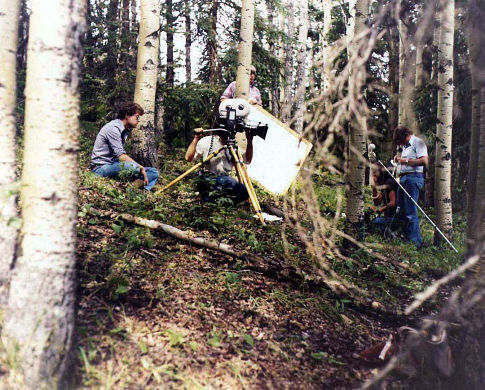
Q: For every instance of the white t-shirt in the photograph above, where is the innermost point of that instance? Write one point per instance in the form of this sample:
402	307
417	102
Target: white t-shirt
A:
416	148
220	164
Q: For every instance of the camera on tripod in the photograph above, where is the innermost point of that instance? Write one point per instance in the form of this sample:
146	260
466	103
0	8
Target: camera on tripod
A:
232	117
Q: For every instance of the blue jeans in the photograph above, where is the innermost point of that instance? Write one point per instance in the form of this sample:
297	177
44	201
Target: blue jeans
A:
131	169
223	186
412	183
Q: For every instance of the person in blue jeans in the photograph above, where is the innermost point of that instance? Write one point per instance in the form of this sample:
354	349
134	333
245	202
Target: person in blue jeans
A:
413	159
215	180
109	158
384	196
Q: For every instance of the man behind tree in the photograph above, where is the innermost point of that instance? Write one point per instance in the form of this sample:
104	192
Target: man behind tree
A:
413	159
109	158
254	94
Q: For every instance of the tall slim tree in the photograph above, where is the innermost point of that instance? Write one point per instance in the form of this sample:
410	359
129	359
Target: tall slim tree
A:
444	127
145	149
327	24
358	130
169	30
301	67
9	16
289	58
188	41
39	321
245	49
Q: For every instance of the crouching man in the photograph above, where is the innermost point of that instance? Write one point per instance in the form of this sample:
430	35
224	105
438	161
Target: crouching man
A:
214	176
109	158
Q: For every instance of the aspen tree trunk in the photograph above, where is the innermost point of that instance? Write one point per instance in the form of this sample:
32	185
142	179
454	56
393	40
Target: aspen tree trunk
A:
169	28
212	43
444	127
23	36
479	223
143	139
394	91
273	92
289	54
188	42
245	49
418	81
40	312
358	131
282	56
327	24
477	59
406	80
301	67
9	16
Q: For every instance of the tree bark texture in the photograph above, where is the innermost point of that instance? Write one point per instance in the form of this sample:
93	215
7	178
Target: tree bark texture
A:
39	320
188	42
406	79
289	54
394	91
245	49
169	29
327	24
358	131
212	43
476	175
9	16
23	33
444	127
301	67
144	140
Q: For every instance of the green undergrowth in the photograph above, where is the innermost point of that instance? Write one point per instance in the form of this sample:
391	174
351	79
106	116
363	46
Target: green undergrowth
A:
155	312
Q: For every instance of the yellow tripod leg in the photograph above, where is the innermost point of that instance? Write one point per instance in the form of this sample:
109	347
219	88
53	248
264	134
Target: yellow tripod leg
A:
250	184
247	183
189	171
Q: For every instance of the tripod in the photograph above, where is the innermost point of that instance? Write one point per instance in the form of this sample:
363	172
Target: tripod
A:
241	171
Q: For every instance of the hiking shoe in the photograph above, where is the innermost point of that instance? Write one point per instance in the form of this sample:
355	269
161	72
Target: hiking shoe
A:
138	183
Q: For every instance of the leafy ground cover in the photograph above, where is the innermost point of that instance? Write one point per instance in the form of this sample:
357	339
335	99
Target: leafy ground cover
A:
157	313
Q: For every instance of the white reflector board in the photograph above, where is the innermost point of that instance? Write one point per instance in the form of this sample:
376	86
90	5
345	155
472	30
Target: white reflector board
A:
277	159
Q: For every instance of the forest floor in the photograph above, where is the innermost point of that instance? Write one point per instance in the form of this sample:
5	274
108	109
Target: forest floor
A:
158	313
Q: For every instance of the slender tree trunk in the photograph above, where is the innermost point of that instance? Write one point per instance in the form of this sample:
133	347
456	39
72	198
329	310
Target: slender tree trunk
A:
144	142
406	79
474	44
134	27
40	313
188	42
301	67
445	117
169	28
9	16
212	43
245	49
394	91
289	54
358	132
111	60
480	191
273	92
282	58
418	82
327	24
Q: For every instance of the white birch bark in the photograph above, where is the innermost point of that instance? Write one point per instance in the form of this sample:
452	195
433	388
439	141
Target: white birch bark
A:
281	56
327	24
301	67
145	149
9	16
39	319
358	130
245	49
406	80
289	54
445	116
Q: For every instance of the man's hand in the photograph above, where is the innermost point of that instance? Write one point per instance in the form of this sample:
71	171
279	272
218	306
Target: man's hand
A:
252	101
198	133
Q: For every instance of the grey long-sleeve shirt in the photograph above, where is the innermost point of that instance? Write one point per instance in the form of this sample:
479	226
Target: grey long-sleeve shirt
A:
109	144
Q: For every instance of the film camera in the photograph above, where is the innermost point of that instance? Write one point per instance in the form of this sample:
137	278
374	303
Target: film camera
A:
232	116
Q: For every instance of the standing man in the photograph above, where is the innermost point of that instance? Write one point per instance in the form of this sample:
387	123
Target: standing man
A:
413	159
254	94
109	158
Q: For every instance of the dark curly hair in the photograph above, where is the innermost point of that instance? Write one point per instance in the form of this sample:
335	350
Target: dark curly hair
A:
400	134
128	109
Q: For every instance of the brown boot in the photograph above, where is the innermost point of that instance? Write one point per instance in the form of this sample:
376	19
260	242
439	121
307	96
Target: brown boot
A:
138	183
